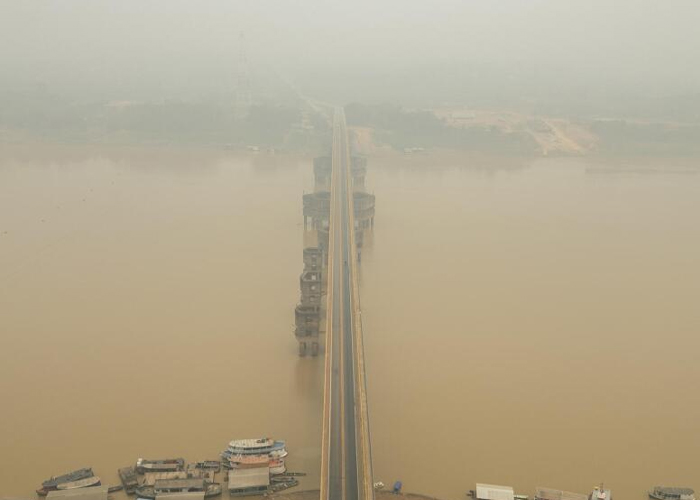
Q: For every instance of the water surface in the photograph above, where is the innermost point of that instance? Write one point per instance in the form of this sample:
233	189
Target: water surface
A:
534	326
526	323
147	303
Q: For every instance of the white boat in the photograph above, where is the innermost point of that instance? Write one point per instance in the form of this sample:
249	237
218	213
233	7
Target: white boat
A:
232	459
249	461
81	483
277	466
259	446
279	453
251	444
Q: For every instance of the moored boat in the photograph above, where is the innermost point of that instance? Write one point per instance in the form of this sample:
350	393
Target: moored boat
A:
552	494
52	483
214	465
213	490
129	479
668	493
276	465
279	453
260	446
288	476
249	461
150	478
162	465
252	443
275	487
150	492
80	483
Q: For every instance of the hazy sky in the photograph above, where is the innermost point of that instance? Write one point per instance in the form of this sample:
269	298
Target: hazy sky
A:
650	42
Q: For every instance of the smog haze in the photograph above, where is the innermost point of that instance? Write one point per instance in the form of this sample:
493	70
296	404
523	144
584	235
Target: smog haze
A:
237	235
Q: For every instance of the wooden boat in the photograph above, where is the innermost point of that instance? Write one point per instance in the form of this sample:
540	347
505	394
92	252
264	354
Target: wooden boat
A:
213	490
207	474
80	483
162	465
52	483
214	465
275	487
150	492
150	478
129	479
666	493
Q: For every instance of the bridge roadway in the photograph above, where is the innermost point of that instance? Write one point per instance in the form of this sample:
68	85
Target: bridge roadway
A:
346	467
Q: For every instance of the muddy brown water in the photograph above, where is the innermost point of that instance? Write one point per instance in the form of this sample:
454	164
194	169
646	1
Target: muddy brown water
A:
528	325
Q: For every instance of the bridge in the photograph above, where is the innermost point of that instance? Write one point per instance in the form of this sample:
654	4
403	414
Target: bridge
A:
346	464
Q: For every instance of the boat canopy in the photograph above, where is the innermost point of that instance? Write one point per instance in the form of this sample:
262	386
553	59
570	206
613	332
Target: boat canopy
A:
552	494
494	492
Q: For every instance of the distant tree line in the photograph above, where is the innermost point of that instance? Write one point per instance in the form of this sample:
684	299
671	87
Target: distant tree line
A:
39	114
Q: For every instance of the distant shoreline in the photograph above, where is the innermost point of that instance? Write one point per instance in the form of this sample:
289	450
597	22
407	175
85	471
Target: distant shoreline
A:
37	147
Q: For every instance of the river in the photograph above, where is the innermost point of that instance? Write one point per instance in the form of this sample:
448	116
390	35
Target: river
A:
526	323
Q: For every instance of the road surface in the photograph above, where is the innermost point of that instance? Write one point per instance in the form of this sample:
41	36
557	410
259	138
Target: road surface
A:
346	467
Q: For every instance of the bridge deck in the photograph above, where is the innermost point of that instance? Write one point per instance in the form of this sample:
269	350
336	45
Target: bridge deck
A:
346	465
